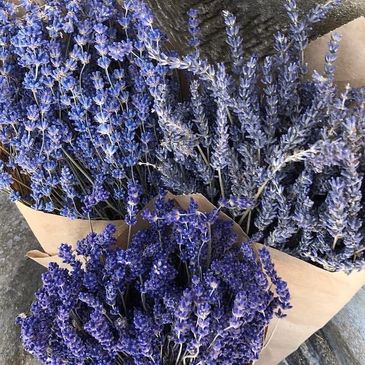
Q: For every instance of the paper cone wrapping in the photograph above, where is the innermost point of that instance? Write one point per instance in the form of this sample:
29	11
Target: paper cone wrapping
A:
316	296
350	62
52	230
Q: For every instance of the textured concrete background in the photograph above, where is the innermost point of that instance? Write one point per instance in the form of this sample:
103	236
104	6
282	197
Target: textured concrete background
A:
341	342
259	20
19	278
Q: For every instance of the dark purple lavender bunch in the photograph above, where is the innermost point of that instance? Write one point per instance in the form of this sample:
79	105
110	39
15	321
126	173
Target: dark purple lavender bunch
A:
183	292
264	130
76	116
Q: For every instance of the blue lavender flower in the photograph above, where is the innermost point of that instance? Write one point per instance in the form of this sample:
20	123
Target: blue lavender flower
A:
133	199
330	58
194	28
5	180
234	40
335	215
200	117
221	150
90	100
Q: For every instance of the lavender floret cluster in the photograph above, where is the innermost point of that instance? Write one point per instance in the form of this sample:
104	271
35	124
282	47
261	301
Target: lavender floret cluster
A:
183	292
266	131
76	125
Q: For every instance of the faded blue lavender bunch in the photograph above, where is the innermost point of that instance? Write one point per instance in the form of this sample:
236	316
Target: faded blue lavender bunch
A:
183	292
76	125
267	132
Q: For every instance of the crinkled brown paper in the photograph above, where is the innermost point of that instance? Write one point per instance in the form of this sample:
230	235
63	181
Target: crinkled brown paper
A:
51	230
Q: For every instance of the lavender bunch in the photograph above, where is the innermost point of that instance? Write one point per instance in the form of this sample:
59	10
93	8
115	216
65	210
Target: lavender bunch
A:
76	124
269	133
183	292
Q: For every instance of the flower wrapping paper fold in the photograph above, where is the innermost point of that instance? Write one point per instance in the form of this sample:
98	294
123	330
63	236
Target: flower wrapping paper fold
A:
316	294
51	230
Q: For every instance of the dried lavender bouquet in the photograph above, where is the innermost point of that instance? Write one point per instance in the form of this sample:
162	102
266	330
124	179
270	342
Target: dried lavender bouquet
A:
266	131
75	111
183	292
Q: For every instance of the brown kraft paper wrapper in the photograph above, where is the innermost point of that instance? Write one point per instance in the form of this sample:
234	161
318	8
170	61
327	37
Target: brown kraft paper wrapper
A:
316	294
350	62
51	230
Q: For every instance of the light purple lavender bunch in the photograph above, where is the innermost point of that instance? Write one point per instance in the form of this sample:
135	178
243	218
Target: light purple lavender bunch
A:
76	124
266	131
183	292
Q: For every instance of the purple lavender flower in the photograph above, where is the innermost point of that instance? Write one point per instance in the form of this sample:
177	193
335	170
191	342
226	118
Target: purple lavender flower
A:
234	40
194	28
85	114
133	199
5	180
336	214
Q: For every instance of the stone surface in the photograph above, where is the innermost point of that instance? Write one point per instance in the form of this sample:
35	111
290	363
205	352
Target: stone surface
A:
19	278
340	342
259	20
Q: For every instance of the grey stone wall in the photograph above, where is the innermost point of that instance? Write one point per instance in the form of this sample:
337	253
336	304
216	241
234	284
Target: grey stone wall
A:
19	278
259	20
